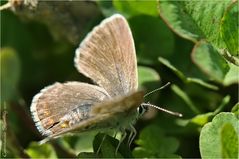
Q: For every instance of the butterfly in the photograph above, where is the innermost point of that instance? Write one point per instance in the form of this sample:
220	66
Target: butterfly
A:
107	56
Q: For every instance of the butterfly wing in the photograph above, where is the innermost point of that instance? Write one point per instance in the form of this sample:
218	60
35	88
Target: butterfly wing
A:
107	56
57	100
109	114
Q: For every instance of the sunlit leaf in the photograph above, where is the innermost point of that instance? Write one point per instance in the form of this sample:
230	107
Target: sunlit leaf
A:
232	75
229	141
214	65
230	30
135	7
195	20
214	143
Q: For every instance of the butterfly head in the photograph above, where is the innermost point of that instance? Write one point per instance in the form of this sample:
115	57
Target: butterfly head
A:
142	109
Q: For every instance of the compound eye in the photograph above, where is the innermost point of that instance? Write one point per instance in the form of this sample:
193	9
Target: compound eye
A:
141	110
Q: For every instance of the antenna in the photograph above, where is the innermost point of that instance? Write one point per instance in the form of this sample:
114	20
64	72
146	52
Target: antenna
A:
162	109
164	86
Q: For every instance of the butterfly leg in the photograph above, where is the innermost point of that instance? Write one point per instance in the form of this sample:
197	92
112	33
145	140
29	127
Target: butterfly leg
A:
120	142
102	141
132	135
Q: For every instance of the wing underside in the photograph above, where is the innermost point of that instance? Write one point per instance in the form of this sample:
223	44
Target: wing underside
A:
107	56
119	112
58	100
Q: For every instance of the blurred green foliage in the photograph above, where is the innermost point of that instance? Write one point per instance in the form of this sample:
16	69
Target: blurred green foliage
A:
192	44
161	146
10	71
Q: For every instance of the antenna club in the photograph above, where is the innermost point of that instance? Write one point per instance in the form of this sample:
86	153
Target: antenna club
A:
162	109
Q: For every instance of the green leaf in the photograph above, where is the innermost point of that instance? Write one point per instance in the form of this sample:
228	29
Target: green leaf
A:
232	75
211	63
176	15
147	74
184	78
35	150
174	69
128	8
202	83
153	143
87	155
152	38
10	73
224	102
131	8
229	141
79	143
195	20
85	140
185	98
230	30
202	119
108	147
235	110
212	135
141	152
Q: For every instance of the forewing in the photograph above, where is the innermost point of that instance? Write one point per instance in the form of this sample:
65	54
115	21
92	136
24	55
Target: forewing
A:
55	101
107	56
